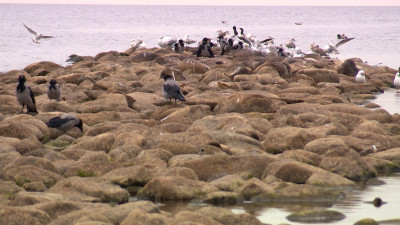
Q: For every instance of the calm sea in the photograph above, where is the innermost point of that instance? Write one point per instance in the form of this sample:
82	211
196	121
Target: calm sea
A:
91	29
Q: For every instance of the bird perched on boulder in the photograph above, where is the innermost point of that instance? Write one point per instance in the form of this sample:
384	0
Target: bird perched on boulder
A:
396	81
65	122
171	89
25	95
205	49
179	46
360	77
54	90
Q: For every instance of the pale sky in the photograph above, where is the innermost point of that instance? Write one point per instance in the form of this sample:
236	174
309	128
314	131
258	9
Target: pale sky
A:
220	2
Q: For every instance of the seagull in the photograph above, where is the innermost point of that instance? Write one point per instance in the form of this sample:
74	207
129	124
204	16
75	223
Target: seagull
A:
25	95
65	122
171	89
331	47
187	40
141	44
291	43
54	90
315	48
166	41
37	36
360	77
396	81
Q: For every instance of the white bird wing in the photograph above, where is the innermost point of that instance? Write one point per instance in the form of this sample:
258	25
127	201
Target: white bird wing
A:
30	30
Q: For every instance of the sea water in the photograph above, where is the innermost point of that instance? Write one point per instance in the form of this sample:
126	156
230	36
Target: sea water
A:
91	29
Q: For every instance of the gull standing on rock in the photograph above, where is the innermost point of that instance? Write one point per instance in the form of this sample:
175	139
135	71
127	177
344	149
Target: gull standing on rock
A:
65	122
25	95
164	42
171	89
37	36
291	43
360	77
54	90
396	81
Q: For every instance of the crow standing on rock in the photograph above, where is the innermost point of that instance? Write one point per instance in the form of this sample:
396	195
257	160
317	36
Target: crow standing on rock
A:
54	90
25	95
171	89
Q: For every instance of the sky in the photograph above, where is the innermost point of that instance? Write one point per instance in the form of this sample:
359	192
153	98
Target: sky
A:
220	2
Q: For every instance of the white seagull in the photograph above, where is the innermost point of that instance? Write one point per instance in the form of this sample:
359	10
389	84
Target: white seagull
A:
166	41
360	77
37	36
396	81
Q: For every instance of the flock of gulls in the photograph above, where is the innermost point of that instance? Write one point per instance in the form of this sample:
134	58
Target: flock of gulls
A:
241	40
170	89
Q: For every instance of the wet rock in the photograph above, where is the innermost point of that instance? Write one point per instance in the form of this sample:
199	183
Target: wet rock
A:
192	66
22	216
319	216
28	173
247	165
188	217
95	187
285	138
228	183
321	75
253	187
43	68
300	173
82	216
243	103
225	216
367	221
102	142
118	213
175	188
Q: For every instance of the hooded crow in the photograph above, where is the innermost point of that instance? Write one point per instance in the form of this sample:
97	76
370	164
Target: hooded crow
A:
25	95
65	122
171	89
54	90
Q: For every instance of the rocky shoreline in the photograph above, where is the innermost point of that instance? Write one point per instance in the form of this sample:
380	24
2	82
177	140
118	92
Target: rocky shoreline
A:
252	128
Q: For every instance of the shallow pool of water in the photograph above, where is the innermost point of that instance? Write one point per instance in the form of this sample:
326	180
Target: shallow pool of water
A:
389	100
355	205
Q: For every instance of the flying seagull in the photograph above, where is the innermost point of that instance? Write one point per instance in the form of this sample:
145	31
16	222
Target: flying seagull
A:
37	36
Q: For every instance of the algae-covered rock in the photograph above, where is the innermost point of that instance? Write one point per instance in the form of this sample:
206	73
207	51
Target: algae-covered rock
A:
318	216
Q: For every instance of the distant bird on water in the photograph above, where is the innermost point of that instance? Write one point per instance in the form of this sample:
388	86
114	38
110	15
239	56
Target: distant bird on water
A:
37	36
65	122
360	77
54	90
25	95
396	81
171	89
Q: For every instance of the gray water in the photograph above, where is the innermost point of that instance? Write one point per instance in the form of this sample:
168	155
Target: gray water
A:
91	29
